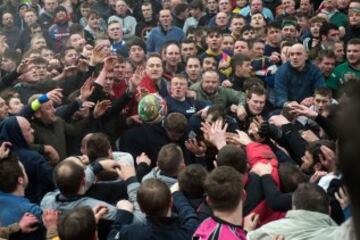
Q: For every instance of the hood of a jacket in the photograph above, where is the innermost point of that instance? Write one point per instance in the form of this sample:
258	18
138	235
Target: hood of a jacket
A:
10	131
156	173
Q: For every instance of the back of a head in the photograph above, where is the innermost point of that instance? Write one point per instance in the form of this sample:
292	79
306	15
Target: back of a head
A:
191	180
10	171
68	177
170	159
176	122
224	187
97	146
348	118
154	198
232	156
77	224
310	197
290	177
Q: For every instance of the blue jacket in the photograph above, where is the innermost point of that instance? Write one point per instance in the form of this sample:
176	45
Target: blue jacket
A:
12	208
167	228
294	85
188	107
37	168
158	37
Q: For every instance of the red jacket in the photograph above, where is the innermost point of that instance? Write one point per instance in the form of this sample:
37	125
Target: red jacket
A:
258	152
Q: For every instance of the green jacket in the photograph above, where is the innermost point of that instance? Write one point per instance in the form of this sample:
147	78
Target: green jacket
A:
298	225
339	19
224	96
341	75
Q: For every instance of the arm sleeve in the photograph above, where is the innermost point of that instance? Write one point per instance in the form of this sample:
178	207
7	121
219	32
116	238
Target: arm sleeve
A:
122	218
280	88
132	188
275	199
150	43
294	141
327	125
8	80
187	215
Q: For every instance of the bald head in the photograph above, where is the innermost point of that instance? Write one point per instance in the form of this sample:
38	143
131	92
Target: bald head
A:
26	130
298	56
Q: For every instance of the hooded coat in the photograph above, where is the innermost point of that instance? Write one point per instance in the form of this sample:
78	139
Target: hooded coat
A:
37	168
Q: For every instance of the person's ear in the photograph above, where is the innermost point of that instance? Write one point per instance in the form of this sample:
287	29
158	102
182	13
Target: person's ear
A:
207	199
21	181
37	113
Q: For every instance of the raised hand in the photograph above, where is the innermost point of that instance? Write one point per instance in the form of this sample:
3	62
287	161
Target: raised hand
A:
101	108
136	78
216	134
251	221
86	89
50	218
99	212
55	95
198	148
301	110
97	55
242	138
28	223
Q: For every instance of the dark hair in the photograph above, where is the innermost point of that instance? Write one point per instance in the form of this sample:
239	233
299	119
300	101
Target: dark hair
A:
169	159
137	42
214	30
251	82
325	29
310	197
9	93
224	187
255	89
197	4
325	54
188	41
76	28
79	223
97	146
237	17
347	120
12	55
323	91
187	60
154	198
63	53
68	176
191	180
239	59
10	171
314	148
180	8
216	111
232	156
354	41
39	61
93	13
290	177
273	25
176	122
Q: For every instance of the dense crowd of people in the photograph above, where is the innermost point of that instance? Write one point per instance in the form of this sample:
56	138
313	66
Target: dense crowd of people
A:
175	119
